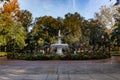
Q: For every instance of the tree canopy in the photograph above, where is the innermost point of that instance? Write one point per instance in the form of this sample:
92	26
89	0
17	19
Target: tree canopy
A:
75	29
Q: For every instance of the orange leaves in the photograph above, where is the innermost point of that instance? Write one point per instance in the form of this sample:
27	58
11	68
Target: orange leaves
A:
10	8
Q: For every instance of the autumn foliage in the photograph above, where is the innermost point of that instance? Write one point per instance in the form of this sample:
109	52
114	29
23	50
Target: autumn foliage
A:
10	8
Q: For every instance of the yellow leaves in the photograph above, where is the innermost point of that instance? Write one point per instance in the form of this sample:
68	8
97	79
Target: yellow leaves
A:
10	8
4	23
40	41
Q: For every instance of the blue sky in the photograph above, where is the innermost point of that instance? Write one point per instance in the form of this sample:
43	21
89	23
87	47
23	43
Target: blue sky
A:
58	8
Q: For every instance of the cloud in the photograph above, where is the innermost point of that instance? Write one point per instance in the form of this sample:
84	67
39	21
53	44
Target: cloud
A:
94	6
74	5
56	8
36	7
47	5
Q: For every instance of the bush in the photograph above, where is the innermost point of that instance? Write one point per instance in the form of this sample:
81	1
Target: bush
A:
9	55
105	55
85	57
94	56
50	56
56	57
39	57
28	57
82	56
63	57
75	57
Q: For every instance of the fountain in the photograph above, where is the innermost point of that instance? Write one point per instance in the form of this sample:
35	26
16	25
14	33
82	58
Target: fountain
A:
59	44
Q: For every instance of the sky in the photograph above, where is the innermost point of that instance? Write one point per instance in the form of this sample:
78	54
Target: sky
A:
58	8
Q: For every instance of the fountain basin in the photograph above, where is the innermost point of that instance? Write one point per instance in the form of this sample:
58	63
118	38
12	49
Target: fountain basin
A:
59	45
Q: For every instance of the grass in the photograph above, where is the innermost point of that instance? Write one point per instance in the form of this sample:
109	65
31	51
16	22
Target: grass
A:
3	53
115	52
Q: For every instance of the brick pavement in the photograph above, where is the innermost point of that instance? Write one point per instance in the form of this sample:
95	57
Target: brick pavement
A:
108	69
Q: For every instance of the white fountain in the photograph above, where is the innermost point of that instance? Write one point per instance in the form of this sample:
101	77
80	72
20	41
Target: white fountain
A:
59	44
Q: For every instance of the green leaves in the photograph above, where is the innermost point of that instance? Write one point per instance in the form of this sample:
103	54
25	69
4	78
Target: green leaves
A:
20	36
25	17
5	29
11	30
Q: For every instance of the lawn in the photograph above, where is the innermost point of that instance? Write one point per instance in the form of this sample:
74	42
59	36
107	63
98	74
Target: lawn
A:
115	52
3	54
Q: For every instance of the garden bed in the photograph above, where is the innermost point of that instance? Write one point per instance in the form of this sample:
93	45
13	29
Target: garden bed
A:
68	56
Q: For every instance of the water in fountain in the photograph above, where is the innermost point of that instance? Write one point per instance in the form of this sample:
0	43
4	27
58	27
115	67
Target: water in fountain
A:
59	44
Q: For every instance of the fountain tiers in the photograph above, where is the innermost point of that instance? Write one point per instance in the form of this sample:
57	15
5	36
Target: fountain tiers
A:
59	45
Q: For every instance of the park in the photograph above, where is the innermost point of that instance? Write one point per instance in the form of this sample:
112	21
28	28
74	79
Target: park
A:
58	43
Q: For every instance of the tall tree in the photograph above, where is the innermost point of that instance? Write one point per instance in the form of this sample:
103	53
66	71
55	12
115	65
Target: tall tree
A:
72	25
10	30
115	38
105	17
25	17
47	28
11	8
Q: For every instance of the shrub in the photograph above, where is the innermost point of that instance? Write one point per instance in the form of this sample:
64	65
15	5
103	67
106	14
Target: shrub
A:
28	57
50	56
85	57
63	57
94	56
75	57
105	55
39	57
56	57
9	55
68	56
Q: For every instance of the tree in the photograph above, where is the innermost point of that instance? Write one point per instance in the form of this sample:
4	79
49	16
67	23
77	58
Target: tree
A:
20	34
105	17
5	28
117	2
10	9
72	25
115	35
10	30
115	38
47	28
98	38
25	17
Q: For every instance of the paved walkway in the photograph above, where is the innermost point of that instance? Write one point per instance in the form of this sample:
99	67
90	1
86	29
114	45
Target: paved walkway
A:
108	69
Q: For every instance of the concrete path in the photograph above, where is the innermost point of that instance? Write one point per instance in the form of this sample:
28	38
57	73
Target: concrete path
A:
108	69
